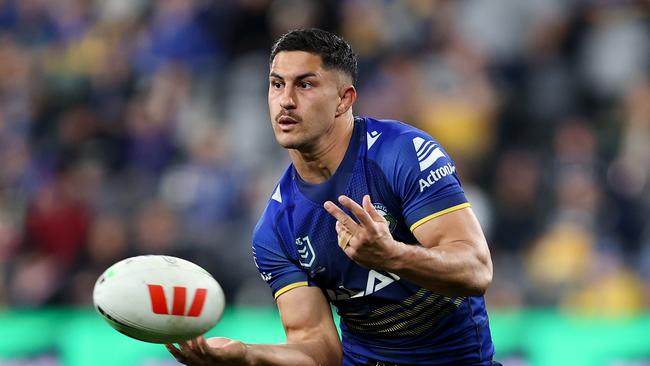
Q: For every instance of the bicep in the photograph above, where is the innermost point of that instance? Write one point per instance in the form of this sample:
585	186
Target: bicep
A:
456	227
307	317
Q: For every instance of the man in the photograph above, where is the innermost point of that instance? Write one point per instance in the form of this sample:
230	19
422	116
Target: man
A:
403	258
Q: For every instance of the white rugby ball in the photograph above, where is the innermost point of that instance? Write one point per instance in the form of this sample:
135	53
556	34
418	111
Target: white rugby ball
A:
158	299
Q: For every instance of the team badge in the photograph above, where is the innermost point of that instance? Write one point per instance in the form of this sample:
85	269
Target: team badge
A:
306	253
392	223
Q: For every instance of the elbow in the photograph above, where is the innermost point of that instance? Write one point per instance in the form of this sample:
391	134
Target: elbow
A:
477	286
475	283
481	279
482	282
482	276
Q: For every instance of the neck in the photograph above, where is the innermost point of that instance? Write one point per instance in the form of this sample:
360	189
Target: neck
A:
320	163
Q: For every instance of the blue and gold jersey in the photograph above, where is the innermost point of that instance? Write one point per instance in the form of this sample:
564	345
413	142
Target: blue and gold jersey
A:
410	179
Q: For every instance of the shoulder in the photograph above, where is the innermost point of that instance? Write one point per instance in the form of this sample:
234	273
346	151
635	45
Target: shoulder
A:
392	143
384	135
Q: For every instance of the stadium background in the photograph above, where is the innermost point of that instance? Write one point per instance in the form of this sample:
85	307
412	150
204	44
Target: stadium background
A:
138	126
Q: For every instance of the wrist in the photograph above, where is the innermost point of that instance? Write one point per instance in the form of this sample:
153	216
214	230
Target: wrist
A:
249	356
395	260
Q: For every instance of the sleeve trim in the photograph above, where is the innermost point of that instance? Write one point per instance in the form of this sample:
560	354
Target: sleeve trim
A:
439	213
289	287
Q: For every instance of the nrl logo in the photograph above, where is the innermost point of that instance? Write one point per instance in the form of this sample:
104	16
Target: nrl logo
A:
306	253
392	223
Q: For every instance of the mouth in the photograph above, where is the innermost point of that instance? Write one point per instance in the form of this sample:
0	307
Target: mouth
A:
286	122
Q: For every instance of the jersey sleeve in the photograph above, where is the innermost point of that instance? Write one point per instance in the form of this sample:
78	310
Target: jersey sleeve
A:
424	177
280	273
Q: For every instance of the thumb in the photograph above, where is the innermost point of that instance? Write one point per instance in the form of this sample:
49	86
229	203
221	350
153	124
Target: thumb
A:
217	341
370	209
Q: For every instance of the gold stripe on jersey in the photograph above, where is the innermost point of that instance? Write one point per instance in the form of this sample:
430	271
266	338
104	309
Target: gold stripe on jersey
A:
439	213
289	287
406	310
408	302
447	309
404	319
413	326
428	321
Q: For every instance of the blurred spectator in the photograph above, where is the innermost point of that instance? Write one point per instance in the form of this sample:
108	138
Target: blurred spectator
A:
208	190
457	103
178	31
517	191
558	262
615	49
28	22
609	288
155	229
107	243
56	225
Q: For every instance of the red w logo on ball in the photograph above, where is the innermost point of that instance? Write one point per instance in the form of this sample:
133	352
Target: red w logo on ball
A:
159	301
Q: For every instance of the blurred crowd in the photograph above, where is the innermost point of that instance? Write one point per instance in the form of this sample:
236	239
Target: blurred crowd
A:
134	127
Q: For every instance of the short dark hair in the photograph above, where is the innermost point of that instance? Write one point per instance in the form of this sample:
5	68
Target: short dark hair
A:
333	50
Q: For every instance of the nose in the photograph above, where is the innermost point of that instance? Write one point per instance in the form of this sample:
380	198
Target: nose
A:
287	100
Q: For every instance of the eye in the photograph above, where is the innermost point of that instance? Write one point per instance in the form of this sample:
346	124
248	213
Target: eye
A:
276	84
305	85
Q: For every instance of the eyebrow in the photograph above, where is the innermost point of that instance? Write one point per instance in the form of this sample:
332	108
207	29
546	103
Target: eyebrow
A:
299	77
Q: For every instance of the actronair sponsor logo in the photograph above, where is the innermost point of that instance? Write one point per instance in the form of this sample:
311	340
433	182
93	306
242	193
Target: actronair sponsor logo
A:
427	151
435	175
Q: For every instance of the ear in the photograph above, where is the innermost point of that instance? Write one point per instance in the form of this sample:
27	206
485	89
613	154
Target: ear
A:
347	96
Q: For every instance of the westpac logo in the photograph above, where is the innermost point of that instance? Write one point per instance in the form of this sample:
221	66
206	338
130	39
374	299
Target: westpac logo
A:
427	151
159	301
306	255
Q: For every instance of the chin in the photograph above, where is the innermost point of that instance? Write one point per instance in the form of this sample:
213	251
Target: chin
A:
294	144
288	141
289	144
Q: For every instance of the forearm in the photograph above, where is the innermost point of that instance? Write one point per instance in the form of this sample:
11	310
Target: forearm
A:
306	353
312	338
453	269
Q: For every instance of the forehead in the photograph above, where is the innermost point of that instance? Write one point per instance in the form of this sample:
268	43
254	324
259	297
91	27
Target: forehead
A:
293	63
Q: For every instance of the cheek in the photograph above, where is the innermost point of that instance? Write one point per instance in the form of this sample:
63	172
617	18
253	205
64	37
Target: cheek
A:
326	106
273	106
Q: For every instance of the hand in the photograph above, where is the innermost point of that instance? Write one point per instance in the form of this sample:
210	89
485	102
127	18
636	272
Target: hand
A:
367	242
210	352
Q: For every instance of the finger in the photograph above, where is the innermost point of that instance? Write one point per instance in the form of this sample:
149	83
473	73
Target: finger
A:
191	344
202	344
339	228
340	216
358	211
344	239
185	346
178	355
194	343
370	209
343	235
189	355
